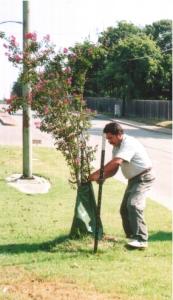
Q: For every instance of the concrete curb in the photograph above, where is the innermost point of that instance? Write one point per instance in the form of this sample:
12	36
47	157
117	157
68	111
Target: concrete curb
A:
156	129
6	119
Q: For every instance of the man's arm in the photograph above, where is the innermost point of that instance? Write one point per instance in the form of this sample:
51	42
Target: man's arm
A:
110	169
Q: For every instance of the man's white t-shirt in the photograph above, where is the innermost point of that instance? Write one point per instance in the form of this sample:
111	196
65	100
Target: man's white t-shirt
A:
134	155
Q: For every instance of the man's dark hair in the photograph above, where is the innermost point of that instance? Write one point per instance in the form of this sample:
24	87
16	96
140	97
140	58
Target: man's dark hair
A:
113	128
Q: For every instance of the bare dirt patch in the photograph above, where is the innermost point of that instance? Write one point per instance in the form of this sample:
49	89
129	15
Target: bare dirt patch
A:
21	285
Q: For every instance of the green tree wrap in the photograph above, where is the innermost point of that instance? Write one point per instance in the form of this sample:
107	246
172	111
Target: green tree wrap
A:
84	220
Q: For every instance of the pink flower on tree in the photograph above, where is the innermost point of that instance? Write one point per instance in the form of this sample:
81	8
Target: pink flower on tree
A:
73	56
7	54
37	124
47	37
31	36
13	41
8	101
65	50
46	110
69	80
67	70
17	58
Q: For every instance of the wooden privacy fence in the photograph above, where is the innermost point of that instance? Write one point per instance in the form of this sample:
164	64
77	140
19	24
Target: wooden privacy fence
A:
147	109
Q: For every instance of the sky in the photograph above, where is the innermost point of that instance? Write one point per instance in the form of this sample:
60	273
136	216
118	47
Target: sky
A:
71	21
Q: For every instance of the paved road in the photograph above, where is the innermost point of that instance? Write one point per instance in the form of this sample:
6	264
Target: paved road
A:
159	148
12	135
158	145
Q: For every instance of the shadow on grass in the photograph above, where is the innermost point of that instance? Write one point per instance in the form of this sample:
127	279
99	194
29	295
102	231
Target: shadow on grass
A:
65	244
160	236
60	244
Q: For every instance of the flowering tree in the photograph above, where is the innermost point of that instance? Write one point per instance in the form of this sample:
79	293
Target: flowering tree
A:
59	104
34	58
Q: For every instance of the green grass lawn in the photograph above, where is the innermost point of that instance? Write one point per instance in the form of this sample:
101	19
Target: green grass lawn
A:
164	124
34	242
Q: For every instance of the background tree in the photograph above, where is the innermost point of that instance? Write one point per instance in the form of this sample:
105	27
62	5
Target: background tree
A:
17	88
96	76
147	76
132	66
161	33
111	36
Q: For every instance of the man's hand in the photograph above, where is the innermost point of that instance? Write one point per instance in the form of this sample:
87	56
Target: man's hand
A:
94	176
110	169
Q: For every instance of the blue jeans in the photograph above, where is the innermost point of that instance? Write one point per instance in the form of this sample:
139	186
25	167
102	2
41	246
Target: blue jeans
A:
133	204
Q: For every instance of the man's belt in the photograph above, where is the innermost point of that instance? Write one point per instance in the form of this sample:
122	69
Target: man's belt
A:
143	172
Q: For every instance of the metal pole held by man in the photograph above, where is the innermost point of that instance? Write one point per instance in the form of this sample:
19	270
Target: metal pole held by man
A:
101	180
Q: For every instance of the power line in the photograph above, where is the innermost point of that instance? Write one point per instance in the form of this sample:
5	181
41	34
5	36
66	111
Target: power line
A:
11	22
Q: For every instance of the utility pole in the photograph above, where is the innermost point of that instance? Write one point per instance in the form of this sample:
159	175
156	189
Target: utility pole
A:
27	117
